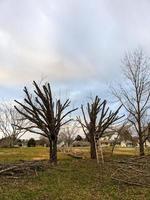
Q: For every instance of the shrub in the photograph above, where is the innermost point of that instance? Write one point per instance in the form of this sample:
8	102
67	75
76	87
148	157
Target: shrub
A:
31	142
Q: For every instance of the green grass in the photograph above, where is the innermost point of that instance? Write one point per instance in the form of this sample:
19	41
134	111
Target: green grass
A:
71	179
32	153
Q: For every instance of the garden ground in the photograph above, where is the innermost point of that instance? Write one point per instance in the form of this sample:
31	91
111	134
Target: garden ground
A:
71	179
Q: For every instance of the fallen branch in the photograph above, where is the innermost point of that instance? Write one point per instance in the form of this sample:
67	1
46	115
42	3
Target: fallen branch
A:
74	156
130	182
7	169
25	168
133	171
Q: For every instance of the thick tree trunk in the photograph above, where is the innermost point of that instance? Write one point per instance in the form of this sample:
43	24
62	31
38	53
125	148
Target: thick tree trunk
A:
141	145
93	147
50	150
53	151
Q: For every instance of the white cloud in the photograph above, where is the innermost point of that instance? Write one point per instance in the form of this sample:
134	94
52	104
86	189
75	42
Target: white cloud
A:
70	41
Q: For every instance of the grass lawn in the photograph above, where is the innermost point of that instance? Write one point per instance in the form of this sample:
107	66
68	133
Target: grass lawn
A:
24	153
71	179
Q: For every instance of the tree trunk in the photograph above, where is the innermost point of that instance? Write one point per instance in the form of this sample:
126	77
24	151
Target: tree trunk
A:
50	150
141	145
53	151
10	142
93	147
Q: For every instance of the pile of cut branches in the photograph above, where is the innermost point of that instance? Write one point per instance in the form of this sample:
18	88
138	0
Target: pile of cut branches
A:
133	171
24	168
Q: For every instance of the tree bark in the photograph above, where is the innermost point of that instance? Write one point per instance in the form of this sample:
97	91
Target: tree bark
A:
50	150
141	145
53	151
93	147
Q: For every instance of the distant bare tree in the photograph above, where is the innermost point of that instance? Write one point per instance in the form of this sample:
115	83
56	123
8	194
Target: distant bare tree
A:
43	141
10	119
47	116
123	132
97	121
134	93
68	133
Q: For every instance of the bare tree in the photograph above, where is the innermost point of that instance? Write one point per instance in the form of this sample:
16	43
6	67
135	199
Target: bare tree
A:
43	141
97	121
134	93
122	132
46	115
68	133
9	120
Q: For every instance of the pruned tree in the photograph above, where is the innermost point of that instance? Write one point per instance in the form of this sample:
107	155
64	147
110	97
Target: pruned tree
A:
68	133
134	93
47	116
10	119
96	120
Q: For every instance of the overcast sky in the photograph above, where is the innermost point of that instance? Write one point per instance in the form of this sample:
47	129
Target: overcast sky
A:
75	44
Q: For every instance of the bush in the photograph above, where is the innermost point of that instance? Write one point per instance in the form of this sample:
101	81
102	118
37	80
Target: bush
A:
31	143
78	138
